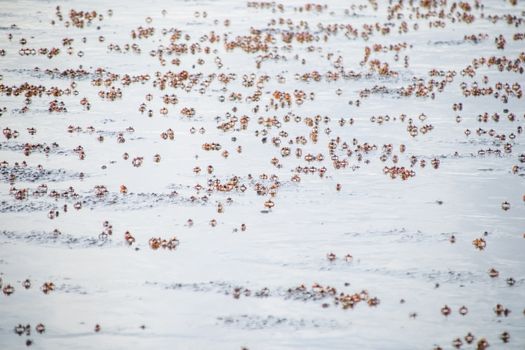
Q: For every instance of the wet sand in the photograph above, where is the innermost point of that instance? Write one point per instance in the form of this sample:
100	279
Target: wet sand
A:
228	174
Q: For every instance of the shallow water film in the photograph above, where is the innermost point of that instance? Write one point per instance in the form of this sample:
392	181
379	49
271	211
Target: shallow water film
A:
262	175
